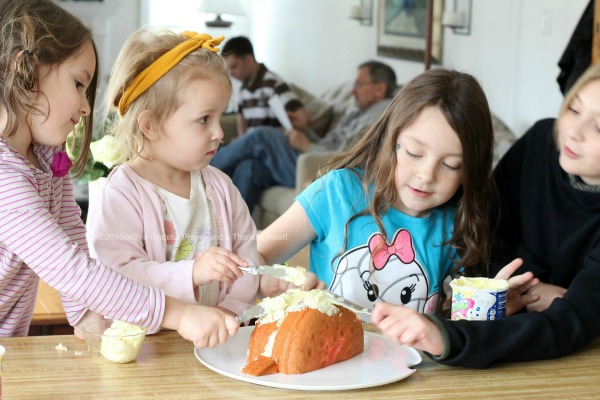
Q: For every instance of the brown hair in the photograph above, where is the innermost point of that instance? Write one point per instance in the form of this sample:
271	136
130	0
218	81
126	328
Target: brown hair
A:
462	101
37	33
140	50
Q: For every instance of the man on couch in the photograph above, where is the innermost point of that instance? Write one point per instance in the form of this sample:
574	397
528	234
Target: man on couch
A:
266	156
258	86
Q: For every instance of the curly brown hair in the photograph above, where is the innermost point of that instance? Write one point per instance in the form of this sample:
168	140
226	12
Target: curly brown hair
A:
462	101
37	33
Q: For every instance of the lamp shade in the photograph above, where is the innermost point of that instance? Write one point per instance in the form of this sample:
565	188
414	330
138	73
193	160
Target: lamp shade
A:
231	7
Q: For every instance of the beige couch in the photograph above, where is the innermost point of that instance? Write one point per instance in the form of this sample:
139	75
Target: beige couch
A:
325	111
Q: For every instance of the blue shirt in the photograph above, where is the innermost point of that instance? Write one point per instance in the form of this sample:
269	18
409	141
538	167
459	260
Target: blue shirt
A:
408	269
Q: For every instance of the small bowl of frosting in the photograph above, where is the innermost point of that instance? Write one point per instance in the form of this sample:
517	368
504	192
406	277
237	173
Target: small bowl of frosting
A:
116	341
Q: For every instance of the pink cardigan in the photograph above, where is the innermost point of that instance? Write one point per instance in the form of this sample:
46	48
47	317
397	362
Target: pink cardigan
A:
127	233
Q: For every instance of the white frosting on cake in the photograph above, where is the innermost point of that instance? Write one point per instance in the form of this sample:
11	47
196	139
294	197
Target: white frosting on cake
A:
270	343
277	307
122	342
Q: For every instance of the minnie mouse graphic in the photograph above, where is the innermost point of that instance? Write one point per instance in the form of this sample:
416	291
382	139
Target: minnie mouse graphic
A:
388	272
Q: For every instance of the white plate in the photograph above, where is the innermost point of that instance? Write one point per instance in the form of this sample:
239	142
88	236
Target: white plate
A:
382	362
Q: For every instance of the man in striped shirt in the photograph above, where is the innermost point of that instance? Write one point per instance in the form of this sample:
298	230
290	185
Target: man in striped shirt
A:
258	86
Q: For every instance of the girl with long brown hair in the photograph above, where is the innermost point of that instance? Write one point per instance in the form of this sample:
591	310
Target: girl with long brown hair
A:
405	207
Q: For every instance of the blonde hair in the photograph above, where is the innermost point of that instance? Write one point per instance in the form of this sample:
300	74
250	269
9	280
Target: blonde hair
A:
140	50
37	33
590	74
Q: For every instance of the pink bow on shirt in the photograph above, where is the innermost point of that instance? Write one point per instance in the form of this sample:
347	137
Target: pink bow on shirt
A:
401	247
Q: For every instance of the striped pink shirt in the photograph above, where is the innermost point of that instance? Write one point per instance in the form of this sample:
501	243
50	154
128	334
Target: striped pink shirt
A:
41	234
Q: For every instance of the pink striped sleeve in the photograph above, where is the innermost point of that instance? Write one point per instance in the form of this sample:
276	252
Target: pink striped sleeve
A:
29	231
70	221
70	213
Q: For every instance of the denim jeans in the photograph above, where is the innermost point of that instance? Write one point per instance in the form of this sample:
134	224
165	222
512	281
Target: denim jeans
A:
261	158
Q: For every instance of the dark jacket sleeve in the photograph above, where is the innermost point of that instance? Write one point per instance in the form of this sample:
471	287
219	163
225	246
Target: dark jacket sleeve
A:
567	326
540	212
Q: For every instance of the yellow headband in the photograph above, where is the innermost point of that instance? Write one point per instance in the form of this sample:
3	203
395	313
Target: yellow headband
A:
164	63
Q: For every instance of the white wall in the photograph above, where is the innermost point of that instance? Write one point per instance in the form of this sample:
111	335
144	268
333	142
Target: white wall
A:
512	49
112	21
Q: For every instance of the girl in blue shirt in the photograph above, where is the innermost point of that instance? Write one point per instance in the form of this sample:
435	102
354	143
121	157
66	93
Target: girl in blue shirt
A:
406	206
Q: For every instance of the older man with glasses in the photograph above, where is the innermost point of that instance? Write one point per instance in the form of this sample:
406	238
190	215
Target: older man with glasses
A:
265	156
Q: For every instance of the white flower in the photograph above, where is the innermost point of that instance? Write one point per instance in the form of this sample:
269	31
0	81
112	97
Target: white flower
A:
108	151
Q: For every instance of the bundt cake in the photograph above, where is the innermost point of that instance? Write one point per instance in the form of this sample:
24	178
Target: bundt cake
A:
301	332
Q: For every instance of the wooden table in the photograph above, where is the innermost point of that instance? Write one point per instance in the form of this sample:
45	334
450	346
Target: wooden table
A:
168	369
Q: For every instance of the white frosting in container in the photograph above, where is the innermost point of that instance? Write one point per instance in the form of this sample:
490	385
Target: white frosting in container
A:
122	342
495	285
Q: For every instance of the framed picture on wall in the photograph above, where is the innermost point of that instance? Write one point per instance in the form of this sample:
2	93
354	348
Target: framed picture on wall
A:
402	29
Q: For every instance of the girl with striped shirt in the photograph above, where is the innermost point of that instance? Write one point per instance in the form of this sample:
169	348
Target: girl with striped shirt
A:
48	81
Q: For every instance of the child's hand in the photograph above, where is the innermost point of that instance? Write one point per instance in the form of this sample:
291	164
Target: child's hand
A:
226	311
519	293
271	286
406	326
546	294
206	326
89	316
217	264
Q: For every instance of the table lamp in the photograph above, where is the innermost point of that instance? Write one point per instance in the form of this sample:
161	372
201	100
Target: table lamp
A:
219	7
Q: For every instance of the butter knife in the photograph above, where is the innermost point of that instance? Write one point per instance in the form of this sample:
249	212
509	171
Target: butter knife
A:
337	299
252	312
265	270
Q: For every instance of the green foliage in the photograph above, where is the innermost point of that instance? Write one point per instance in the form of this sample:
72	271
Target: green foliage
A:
93	170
